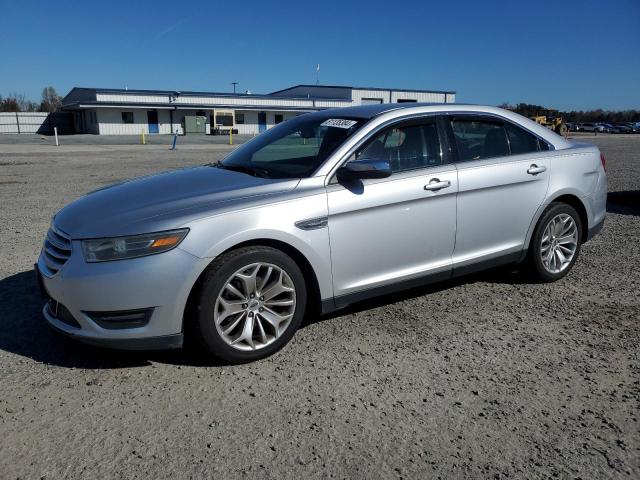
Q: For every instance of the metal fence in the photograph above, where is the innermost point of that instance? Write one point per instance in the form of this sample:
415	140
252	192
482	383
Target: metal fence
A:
36	122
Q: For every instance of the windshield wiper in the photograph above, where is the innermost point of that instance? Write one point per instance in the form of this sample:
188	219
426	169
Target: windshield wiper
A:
253	171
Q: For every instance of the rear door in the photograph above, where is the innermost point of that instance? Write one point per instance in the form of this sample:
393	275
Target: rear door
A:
503	175
389	230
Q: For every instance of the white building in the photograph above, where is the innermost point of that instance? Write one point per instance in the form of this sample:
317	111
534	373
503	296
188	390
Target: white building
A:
132	112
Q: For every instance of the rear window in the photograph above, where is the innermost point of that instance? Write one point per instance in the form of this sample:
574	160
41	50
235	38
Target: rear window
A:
521	141
478	139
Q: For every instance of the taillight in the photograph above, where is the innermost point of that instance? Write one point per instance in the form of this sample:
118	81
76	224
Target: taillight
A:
603	161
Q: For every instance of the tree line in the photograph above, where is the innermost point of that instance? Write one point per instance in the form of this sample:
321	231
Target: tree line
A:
577	116
17	102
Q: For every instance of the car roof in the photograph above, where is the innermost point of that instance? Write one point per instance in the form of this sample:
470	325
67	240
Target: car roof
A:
373	110
388	111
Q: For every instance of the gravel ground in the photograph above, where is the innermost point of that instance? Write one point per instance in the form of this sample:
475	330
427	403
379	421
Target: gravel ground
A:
484	377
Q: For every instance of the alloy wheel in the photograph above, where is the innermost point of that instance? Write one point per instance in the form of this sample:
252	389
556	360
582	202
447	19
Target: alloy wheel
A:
559	243
255	306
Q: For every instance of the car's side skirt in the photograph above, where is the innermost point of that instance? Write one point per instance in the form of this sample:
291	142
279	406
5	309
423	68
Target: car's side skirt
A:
336	303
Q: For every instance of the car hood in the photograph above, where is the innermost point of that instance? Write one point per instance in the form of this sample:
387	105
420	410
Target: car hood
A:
162	201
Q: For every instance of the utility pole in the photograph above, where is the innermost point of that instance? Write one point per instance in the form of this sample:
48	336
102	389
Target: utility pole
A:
234	87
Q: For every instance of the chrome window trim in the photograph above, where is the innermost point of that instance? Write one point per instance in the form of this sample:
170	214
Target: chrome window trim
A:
504	119
342	158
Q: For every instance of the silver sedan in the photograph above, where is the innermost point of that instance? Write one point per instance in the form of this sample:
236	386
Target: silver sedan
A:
319	212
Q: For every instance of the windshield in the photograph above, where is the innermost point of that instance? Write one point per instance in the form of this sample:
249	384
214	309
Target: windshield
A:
293	149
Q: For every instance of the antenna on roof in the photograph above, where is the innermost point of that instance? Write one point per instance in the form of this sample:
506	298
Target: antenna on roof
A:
234	87
318	74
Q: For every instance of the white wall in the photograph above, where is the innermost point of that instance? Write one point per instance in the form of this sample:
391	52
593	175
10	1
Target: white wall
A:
110	121
418	96
358	95
213	100
251	127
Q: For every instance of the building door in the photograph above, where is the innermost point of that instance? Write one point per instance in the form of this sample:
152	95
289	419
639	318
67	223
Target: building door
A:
262	122
152	120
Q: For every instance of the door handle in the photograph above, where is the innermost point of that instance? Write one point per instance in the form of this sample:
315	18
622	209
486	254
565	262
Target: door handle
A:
435	184
535	169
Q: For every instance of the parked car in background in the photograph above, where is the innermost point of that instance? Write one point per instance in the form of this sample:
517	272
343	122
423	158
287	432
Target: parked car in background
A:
623	128
632	126
321	211
591	127
609	128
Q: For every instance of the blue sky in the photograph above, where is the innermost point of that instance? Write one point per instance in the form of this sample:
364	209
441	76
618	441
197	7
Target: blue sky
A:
562	54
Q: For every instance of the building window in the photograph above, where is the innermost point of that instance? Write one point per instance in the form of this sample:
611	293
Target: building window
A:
278	118
240	118
200	113
224	119
406	100
127	117
369	101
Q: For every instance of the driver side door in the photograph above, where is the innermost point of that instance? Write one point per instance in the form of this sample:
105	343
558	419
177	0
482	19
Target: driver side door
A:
391	233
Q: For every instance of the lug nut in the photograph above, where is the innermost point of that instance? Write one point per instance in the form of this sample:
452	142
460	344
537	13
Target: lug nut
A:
244	305
262	299
252	295
251	314
261	309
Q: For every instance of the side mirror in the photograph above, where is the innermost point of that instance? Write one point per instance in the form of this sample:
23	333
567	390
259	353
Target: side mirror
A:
362	169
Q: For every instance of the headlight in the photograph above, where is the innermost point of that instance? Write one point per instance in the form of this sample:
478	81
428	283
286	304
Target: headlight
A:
120	248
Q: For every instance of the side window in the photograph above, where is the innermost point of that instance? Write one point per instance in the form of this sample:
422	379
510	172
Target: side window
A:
520	140
478	139
406	147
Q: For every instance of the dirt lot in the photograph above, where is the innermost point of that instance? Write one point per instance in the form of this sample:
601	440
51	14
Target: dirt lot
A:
484	377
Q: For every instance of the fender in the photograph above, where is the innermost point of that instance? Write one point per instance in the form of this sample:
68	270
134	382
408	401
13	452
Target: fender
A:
550	199
216	235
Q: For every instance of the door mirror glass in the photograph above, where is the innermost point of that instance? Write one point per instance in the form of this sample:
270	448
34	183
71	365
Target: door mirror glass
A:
363	168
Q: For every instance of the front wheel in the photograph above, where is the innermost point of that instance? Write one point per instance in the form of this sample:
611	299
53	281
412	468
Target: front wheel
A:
251	303
555	244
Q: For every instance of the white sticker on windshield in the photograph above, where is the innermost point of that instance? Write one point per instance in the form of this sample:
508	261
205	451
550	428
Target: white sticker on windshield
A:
338	123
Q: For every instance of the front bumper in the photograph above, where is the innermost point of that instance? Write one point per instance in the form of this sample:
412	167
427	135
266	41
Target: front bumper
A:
158	283
164	342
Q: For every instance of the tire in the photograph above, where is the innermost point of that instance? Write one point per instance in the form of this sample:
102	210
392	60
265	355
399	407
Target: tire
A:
553	268
256	333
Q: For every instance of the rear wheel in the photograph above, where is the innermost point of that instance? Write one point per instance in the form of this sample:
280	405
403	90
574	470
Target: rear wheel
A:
251	303
555	244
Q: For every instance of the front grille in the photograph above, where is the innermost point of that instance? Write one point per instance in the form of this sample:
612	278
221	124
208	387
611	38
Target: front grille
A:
56	250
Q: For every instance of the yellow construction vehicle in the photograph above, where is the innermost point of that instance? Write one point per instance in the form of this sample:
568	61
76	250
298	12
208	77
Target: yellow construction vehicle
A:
551	120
